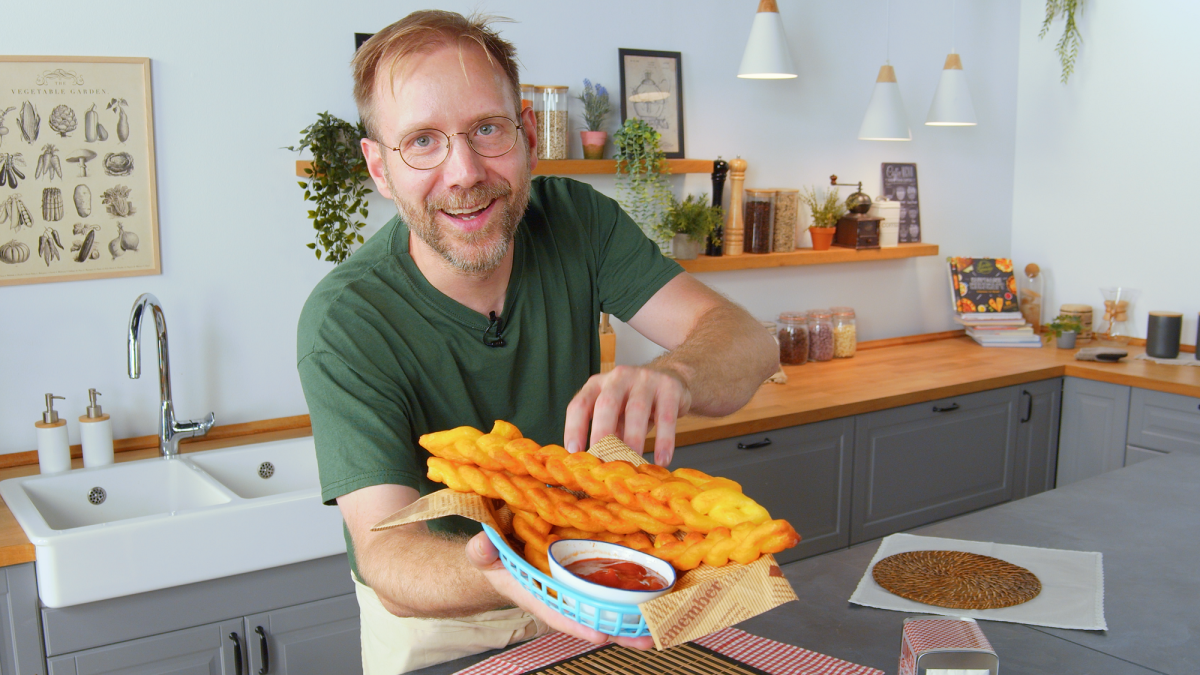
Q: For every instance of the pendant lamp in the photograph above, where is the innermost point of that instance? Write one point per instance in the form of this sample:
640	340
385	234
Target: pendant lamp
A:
885	119
767	56
952	101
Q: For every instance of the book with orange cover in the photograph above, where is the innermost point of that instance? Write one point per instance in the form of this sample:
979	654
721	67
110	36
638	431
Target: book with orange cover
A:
983	287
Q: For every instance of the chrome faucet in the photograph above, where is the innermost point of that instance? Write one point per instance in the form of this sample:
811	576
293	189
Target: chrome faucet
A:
170	432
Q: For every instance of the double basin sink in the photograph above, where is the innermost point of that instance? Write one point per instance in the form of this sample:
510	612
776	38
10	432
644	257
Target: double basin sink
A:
140	526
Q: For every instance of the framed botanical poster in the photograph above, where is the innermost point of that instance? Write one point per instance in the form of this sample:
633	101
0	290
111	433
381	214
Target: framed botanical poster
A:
78	196
900	185
652	91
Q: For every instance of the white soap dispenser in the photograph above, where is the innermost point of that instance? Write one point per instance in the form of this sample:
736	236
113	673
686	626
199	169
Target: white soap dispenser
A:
95	432
54	450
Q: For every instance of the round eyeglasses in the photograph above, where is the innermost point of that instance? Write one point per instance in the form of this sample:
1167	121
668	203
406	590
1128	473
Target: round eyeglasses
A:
426	149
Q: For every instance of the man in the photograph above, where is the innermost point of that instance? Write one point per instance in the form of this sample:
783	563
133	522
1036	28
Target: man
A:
481	302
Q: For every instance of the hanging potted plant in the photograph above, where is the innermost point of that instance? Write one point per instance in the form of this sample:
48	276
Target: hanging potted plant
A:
826	207
687	225
596	107
337	184
641	189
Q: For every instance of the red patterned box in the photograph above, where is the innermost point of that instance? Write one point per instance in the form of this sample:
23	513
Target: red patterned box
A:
930	646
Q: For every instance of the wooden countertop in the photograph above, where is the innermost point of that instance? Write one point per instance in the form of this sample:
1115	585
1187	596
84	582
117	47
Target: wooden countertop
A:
884	374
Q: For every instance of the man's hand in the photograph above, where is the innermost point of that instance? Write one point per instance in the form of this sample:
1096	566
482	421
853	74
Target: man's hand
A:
628	402
484	556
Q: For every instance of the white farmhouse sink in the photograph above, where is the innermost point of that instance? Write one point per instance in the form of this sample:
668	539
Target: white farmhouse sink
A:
141	526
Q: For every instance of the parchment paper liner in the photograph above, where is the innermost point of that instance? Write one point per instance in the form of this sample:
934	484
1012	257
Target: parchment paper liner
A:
703	601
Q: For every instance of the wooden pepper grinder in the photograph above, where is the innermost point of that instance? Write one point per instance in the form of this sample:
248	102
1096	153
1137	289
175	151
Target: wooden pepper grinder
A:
734	230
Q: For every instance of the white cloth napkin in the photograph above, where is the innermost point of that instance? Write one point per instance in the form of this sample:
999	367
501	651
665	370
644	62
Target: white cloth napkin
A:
1072	583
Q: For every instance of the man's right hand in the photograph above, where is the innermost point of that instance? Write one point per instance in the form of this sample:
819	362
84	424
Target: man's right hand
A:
484	556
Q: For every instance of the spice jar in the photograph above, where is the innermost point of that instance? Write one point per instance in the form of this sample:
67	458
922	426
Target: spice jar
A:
845	333
759	210
550	109
793	338
820	335
528	92
787	215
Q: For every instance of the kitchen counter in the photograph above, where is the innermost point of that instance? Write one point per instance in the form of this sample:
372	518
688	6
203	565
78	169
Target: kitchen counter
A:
1142	518
884	374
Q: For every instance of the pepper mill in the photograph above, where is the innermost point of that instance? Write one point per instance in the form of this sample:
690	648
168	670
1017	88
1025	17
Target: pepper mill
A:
720	170
733	231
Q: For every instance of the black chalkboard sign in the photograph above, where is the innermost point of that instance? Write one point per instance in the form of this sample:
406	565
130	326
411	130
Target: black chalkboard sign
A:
900	185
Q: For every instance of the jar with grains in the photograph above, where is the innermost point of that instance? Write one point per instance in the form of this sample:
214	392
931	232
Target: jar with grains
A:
759	210
787	215
793	338
820	335
845	333
550	109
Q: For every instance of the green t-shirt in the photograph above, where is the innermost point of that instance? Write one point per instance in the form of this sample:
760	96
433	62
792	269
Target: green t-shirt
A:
385	357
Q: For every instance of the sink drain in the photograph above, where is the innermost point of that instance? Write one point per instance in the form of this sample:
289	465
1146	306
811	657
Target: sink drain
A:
266	470
97	495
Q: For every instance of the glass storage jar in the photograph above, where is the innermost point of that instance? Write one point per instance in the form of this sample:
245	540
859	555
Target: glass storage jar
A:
793	338
845	332
528	92
820	335
550	109
787	215
759	211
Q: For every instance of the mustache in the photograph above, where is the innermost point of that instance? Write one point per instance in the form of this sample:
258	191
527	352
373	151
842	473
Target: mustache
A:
474	196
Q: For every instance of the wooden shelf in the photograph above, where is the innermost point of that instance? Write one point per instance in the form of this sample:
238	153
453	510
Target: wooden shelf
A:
805	256
578	167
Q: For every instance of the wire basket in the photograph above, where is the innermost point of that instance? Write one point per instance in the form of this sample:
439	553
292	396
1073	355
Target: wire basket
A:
608	618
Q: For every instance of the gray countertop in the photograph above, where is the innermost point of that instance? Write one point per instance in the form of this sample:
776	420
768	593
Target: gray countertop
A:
1144	519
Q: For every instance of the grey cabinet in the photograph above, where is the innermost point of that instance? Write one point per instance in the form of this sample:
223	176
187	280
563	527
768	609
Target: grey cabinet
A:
1039	407
924	462
801	474
316	638
1160	422
202	650
20	629
1095	416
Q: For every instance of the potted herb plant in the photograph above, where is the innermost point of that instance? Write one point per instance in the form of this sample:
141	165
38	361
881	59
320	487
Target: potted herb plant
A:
687	225
596	107
826	208
337	184
641	189
1064	328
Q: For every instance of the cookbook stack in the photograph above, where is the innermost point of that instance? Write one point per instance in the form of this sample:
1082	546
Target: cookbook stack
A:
984	293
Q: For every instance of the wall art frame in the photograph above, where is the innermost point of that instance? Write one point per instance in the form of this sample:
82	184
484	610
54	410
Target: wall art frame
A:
652	91
78	184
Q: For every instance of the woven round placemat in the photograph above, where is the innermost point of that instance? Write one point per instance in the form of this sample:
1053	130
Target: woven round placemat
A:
956	580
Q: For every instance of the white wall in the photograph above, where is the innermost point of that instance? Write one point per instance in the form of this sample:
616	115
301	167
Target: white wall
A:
234	82
1105	165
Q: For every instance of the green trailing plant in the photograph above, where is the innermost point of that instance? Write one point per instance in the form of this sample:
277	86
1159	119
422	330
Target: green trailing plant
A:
1063	323
825	206
596	105
1068	45
693	217
641	189
337	185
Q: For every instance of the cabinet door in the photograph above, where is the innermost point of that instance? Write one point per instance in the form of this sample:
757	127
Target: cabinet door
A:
1039	406
1164	422
317	638
21	650
1095	416
924	462
800	474
204	650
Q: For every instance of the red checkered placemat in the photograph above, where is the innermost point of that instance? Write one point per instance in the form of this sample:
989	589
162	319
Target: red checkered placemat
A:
769	656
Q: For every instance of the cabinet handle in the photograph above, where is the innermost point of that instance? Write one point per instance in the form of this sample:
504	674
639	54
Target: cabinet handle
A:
262	648
950	408
237	653
1028	407
754	446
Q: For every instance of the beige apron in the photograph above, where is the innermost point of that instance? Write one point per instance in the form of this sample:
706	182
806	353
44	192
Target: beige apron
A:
393	644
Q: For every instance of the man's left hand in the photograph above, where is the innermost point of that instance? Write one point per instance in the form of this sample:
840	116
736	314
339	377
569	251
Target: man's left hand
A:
628	402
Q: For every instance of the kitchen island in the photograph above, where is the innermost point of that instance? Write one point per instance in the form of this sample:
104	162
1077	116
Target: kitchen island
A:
1144	519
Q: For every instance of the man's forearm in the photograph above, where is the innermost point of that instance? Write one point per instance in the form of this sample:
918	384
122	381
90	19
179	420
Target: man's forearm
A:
723	360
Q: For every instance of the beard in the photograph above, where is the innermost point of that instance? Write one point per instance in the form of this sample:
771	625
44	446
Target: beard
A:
476	253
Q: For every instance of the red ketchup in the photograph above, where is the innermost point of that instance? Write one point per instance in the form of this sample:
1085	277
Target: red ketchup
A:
620	574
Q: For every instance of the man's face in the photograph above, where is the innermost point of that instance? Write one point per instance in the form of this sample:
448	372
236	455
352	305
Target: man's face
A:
466	209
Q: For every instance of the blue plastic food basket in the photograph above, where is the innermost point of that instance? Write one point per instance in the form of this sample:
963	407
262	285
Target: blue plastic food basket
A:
606	617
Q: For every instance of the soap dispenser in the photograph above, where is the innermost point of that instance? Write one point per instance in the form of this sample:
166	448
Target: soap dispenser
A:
95	432
54	450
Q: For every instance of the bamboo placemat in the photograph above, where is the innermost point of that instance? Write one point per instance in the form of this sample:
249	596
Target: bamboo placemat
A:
686	658
956	579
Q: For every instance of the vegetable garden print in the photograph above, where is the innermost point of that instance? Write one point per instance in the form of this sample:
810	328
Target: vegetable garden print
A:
78	198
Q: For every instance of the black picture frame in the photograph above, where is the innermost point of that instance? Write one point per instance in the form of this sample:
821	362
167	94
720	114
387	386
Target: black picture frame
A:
657	78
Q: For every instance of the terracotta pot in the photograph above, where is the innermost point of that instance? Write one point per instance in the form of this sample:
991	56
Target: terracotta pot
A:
685	248
822	237
593	143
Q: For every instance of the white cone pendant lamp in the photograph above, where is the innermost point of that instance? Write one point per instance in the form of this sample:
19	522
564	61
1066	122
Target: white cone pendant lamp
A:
885	119
952	105
767	56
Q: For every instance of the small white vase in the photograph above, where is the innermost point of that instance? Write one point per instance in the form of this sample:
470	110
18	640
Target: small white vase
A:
685	248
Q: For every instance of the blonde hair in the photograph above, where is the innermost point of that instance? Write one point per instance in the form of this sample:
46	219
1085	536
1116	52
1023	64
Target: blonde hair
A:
422	31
